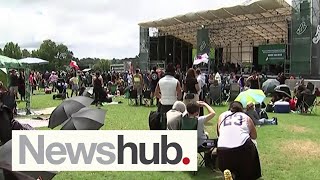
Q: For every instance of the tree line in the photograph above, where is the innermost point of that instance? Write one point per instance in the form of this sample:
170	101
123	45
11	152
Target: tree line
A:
57	54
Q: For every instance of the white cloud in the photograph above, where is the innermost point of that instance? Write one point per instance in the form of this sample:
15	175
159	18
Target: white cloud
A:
91	28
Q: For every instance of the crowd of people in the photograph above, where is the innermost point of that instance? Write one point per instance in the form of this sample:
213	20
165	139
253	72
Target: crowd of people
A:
179	96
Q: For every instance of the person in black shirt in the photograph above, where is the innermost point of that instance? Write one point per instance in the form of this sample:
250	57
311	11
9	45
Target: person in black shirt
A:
254	81
190	87
154	78
97	88
14	82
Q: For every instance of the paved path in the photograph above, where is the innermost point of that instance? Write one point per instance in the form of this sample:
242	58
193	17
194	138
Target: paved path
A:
46	111
35	122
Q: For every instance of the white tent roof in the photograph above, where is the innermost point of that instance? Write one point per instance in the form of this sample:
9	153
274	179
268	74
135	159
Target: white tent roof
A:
260	21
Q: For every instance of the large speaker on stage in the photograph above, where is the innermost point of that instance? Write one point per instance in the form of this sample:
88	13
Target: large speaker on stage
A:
144	49
255	58
218	56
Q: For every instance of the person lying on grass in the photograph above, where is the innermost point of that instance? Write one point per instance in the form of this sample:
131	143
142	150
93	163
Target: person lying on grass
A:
257	120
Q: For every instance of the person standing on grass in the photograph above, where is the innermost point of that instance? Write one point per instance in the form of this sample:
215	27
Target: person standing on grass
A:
74	85
254	81
236	150
202	82
97	88
154	78
168	91
138	85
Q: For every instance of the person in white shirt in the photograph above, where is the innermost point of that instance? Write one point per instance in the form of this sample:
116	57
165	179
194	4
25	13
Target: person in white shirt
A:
218	77
236	150
168	91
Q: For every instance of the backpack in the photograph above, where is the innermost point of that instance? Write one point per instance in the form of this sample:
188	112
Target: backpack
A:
154	76
263	114
154	120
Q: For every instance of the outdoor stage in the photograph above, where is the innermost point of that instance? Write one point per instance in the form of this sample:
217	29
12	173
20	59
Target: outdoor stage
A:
262	35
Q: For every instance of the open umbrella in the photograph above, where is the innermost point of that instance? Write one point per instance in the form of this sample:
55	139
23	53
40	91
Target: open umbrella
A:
64	111
251	95
33	61
269	85
6	162
284	89
85	119
7	62
88	92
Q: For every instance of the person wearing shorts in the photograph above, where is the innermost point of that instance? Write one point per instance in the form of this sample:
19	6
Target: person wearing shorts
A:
154	77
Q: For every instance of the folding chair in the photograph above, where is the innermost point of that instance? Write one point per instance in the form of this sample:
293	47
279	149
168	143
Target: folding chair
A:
188	123
234	91
215	94
113	89
309	103
147	97
133	96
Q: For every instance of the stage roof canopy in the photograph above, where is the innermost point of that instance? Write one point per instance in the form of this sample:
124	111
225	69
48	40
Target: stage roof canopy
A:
261	21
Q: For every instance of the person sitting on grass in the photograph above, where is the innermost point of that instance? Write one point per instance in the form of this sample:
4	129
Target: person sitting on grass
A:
175	115
193	110
257	120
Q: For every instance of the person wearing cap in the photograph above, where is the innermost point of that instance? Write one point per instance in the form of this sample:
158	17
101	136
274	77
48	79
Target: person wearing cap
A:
236	151
257	120
175	114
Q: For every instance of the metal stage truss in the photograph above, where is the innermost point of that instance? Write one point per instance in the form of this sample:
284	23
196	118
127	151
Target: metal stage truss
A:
245	33
258	22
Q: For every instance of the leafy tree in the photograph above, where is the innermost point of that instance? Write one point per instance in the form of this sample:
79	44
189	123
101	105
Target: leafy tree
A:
12	50
25	53
102	65
63	56
47	50
0	51
34	53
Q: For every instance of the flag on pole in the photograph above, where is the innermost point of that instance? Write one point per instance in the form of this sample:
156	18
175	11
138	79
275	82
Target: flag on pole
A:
73	64
204	58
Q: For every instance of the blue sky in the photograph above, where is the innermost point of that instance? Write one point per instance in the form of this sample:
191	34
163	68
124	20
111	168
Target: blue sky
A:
90	28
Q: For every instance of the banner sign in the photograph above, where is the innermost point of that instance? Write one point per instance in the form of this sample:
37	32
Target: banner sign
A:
203	43
301	38
272	54
104	151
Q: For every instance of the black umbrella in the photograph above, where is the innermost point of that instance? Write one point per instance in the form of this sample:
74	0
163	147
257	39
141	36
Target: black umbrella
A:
6	161
85	119
67	108
269	85
283	89
88	92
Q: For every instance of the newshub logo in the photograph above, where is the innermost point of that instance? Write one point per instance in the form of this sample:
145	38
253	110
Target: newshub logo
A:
104	151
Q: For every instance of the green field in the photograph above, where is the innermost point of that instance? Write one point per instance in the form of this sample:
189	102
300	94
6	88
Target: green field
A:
289	151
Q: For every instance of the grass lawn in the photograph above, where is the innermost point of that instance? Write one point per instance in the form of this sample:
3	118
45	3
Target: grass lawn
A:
290	150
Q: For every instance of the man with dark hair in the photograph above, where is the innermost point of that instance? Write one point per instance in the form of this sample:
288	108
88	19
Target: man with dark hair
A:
97	88
168	90
193	110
